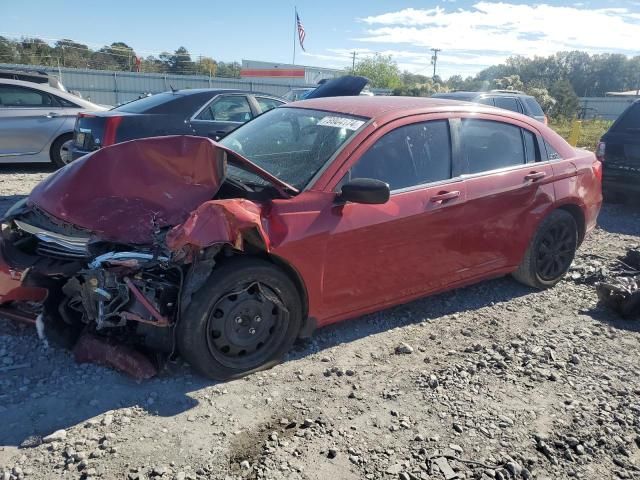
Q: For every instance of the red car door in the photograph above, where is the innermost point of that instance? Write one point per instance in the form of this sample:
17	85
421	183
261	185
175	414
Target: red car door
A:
508	192
380	254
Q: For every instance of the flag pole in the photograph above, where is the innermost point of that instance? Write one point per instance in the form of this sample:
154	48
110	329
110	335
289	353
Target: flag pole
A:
295	28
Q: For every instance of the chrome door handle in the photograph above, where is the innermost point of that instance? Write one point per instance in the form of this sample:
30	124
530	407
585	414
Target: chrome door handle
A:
52	115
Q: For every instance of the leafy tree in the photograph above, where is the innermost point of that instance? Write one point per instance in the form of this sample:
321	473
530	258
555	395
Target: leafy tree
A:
566	99
381	70
228	69
122	55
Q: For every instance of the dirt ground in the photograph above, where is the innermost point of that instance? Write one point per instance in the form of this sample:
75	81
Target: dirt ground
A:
494	381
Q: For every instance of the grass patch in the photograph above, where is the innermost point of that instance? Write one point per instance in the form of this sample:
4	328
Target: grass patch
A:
590	132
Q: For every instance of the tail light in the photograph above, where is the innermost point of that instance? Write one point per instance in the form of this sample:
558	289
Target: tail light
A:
546	120
600	151
110	128
597	170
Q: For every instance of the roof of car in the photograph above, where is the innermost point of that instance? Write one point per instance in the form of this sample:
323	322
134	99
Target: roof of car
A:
372	107
467	94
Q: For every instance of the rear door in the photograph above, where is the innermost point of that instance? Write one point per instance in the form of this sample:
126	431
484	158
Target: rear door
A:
508	189
30	119
622	153
222	115
378	254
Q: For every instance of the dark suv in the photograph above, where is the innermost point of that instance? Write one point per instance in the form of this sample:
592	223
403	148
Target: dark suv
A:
619	152
508	99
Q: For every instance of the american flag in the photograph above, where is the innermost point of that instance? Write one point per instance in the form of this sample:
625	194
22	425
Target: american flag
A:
301	33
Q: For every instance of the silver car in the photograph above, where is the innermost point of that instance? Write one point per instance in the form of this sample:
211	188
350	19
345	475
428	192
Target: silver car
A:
36	122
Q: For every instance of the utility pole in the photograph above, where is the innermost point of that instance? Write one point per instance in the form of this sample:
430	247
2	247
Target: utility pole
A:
353	62
434	59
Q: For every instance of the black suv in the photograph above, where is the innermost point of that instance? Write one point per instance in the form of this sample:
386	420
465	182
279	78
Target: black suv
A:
508	99
619	152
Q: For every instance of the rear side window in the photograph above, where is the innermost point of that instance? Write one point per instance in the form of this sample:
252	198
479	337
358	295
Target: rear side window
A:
533	106
485	101
268	103
489	145
21	97
408	156
630	119
508	103
230	108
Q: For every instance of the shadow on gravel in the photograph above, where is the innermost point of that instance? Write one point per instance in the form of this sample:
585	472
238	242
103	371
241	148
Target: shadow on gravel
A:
17	168
623	218
604	315
461	300
47	391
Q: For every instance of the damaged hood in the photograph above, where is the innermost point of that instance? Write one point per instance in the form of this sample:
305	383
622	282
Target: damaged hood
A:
125	192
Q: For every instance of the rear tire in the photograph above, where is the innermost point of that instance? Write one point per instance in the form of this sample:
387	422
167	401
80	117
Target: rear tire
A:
550	252
60	152
245	318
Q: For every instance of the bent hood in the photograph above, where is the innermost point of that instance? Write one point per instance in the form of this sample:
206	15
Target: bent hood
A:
127	191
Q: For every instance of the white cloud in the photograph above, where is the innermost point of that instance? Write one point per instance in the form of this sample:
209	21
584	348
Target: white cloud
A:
487	33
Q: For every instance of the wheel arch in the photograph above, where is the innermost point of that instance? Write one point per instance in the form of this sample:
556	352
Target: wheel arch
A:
579	217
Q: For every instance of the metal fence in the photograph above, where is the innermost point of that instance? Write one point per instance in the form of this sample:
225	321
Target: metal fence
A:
113	88
606	108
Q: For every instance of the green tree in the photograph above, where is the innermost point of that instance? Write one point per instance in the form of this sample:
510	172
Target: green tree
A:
566	99
381	70
122	56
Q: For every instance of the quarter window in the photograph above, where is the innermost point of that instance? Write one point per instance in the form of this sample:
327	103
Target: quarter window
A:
407	156
14	96
530	146
488	145
227	109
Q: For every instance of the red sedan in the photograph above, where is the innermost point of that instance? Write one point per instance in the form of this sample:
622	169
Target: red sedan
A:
312	213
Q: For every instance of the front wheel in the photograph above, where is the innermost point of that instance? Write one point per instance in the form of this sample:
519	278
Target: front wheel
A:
550	252
245	318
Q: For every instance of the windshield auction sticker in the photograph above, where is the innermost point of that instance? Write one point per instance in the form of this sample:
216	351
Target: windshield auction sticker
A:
341	122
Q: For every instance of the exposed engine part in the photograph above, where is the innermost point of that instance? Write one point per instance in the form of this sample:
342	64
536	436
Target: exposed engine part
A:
127	290
133	256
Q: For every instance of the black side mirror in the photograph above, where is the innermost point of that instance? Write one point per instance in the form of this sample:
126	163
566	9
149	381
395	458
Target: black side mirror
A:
364	190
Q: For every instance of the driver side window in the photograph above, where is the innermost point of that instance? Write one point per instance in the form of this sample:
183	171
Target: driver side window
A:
408	156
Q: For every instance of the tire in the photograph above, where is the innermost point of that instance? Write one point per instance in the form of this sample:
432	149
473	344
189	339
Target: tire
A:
550	252
244	318
56	154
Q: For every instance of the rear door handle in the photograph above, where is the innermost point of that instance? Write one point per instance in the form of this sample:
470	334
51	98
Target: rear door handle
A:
533	176
444	196
52	115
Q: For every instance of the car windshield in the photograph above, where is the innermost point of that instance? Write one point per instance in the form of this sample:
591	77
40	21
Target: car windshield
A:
291	144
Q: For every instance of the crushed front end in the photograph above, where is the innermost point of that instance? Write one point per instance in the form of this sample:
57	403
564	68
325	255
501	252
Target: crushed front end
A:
72	279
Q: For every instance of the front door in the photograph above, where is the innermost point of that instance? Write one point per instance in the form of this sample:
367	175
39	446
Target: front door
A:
30	119
378	254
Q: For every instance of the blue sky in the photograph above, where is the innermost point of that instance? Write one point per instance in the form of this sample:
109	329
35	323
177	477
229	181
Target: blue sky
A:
471	34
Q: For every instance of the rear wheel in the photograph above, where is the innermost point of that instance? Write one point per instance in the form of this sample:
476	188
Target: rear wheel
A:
245	318
550	252
60	153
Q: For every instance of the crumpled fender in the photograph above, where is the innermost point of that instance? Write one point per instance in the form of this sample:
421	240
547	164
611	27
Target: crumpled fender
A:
219	221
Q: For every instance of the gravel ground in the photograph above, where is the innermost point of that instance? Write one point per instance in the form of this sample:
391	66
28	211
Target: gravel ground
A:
494	381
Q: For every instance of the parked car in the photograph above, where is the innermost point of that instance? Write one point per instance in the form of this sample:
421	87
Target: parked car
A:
206	112
199	111
37	121
508	99
619	151
312	213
